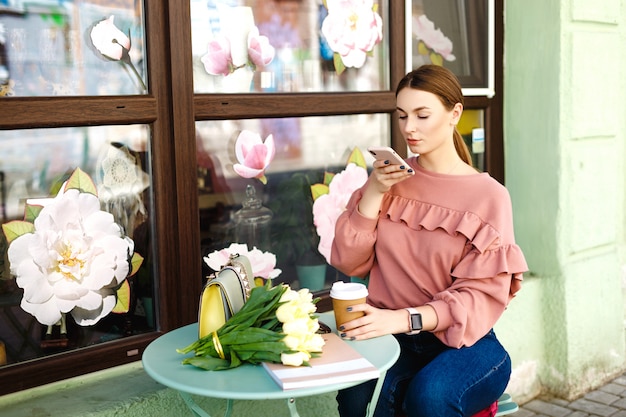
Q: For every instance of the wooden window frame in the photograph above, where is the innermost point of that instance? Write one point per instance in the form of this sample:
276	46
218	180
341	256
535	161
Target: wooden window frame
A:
171	109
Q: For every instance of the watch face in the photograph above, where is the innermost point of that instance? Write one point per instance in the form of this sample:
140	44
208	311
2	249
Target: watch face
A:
416	322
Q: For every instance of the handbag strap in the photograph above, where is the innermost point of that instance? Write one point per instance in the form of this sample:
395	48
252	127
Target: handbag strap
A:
241	265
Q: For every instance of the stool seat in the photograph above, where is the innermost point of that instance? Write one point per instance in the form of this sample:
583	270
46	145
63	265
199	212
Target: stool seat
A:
503	407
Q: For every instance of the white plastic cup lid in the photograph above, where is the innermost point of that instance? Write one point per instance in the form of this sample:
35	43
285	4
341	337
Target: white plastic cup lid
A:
348	290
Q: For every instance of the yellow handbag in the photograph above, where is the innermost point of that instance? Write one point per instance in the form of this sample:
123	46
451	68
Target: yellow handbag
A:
224	294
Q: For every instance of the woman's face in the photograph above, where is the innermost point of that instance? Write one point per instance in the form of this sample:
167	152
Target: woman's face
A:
425	123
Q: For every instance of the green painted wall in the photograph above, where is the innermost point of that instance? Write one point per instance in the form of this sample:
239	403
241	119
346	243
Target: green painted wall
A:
564	143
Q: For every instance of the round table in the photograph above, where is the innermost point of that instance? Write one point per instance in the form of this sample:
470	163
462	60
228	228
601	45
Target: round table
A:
248	382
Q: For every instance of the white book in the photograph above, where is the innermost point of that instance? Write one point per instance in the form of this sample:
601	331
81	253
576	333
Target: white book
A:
338	363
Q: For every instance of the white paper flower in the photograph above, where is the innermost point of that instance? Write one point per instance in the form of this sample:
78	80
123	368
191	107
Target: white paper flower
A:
109	40
352	28
73	262
262	263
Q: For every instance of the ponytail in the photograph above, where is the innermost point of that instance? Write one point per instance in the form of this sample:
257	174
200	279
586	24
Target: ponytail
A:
461	148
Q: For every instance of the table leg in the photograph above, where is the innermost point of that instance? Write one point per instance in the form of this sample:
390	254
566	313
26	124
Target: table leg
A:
195	408
379	385
291	403
198	411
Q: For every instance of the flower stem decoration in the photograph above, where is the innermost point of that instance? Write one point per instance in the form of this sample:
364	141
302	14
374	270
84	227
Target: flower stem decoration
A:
113	44
71	257
276	324
352	29
331	197
432	42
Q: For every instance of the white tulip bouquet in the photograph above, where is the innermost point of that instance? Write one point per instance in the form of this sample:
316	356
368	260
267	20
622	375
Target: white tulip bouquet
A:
276	324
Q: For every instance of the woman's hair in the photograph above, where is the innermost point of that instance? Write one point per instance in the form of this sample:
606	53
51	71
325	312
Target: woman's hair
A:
443	83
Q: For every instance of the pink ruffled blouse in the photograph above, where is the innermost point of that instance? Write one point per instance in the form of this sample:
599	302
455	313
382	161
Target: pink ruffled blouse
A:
442	240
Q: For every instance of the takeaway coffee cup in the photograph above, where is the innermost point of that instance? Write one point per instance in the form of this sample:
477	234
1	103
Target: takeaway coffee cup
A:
345	294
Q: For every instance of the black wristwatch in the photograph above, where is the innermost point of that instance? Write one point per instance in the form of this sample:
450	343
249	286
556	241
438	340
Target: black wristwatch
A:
415	321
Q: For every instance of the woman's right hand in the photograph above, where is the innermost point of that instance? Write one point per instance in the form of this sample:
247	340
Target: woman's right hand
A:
382	178
384	175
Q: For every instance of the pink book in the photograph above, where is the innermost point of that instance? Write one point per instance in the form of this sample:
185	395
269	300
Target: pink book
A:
338	363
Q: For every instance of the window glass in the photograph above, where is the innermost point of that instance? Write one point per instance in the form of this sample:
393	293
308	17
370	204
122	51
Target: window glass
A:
236	206
59	282
69	48
294	50
458	34
472	128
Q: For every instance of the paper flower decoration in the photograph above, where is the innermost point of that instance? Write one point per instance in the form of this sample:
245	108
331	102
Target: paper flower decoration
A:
432	42
331	199
276	324
114	45
352	29
254	155
70	257
238	45
263	263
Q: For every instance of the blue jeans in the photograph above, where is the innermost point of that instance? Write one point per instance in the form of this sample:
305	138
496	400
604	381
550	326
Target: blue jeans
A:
431	379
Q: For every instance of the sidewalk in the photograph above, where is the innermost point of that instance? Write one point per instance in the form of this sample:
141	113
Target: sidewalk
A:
606	401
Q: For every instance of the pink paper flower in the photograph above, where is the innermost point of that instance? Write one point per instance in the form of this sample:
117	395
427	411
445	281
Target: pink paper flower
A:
260	51
424	30
352	29
263	263
328	207
254	155
217	60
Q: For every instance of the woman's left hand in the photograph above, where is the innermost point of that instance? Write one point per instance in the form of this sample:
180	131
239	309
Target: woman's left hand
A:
376	322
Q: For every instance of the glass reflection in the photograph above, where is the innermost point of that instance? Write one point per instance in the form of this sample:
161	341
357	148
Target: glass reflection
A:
34	165
69	48
288	46
282	207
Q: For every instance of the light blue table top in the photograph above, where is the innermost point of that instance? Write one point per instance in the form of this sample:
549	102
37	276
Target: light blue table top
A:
248	382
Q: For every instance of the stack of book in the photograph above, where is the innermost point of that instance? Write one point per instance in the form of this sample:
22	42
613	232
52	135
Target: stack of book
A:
338	363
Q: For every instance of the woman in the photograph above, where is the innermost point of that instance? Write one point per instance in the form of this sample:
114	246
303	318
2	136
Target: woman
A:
436	238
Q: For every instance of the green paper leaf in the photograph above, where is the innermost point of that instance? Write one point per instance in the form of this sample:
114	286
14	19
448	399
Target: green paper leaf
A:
82	182
422	49
356	157
318	190
31	212
123	299
16	228
328	177
135	263
436	59
339	65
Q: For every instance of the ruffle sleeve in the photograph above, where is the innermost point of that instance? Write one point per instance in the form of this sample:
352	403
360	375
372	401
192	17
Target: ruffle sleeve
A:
491	252
507	260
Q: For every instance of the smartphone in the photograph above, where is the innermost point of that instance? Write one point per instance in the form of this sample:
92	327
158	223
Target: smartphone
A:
385	153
